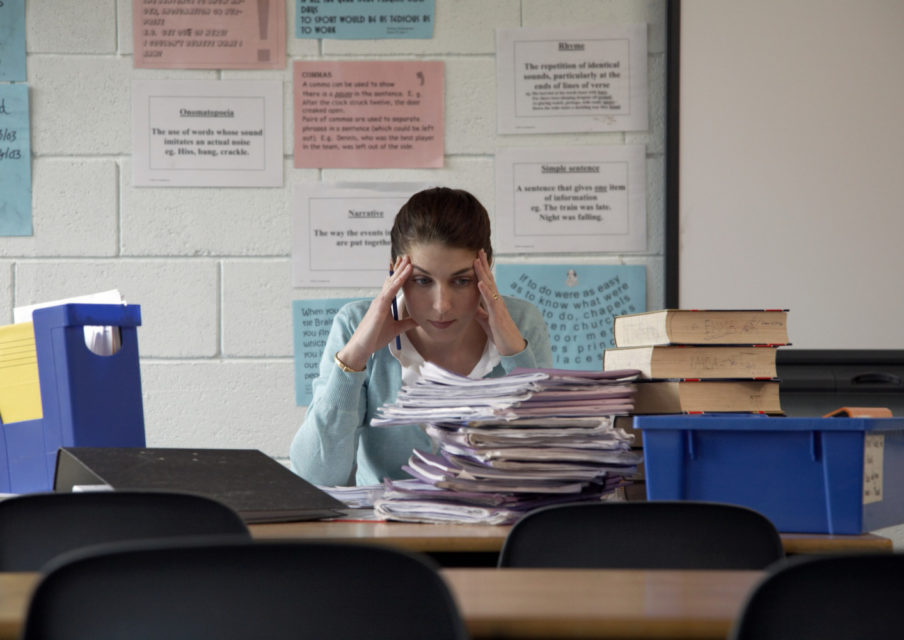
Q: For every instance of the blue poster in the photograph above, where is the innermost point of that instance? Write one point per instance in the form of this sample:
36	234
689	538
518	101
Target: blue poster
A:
15	161
579	303
12	41
364	19
311	322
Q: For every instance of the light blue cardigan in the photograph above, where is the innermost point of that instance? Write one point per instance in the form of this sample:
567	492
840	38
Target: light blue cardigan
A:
336	432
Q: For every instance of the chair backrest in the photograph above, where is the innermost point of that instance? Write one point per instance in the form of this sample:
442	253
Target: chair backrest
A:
299	590
827	598
34	528
643	535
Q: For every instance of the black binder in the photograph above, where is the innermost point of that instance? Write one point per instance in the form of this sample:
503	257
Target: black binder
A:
256	486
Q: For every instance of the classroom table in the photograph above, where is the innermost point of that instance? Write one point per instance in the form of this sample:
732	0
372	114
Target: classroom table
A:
599	603
479	538
548	603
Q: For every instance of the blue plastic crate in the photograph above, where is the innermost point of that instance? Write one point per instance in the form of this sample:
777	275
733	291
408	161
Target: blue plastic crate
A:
87	400
809	475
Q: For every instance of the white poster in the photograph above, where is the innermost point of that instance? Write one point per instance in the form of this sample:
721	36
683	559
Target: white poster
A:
567	80
207	133
341	233
571	199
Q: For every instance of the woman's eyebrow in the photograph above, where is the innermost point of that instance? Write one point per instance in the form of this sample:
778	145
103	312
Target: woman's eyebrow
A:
457	273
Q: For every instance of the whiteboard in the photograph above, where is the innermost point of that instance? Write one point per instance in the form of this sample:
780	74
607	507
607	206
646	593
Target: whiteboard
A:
791	165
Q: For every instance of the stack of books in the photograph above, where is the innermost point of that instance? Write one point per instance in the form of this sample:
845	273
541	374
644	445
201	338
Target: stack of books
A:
507	445
701	361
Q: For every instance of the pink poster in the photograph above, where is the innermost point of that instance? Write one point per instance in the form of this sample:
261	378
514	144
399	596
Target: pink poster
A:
209	34
369	115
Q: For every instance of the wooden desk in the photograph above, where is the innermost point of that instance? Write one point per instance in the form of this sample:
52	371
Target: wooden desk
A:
548	603
15	592
440	538
429	538
818	543
597	603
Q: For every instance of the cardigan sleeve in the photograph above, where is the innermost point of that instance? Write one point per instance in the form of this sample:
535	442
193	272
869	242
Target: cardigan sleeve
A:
537	353
324	448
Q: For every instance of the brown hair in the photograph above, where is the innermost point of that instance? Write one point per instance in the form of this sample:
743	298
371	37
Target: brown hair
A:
452	217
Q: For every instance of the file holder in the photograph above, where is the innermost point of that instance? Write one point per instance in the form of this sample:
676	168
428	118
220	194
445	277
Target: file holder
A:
86	399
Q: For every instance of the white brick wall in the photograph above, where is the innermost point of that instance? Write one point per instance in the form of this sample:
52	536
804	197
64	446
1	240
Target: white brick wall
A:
211	267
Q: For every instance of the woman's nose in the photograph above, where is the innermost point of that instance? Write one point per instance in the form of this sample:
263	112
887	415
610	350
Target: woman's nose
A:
442	300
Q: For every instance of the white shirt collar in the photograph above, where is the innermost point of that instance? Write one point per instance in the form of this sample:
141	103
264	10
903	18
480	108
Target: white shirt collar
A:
412	361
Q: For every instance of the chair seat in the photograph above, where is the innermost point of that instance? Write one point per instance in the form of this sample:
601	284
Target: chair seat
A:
643	535
243	590
34	528
827	598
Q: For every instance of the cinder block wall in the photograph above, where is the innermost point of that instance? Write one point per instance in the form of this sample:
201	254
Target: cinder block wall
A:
211	267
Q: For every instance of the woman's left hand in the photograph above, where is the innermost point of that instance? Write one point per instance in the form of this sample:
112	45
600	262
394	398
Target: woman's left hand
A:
493	315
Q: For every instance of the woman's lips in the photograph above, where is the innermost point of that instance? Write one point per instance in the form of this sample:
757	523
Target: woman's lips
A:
442	325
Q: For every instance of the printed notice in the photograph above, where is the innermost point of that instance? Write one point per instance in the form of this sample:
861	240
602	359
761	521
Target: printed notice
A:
209	34
12	41
368	115
571	199
214	133
341	234
579	302
364	19
566	80
15	161
311	322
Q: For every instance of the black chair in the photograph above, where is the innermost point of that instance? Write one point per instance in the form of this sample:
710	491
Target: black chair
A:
643	535
35	528
299	590
827	598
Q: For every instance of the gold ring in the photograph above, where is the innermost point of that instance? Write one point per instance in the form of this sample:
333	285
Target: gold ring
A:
495	296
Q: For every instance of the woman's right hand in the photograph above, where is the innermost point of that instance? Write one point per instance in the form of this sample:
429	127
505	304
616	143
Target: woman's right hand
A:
378	327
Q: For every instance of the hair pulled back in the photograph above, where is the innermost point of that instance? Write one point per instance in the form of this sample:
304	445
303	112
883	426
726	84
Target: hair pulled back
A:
451	217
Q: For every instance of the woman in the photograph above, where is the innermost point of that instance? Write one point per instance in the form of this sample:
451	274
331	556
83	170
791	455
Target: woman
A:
449	313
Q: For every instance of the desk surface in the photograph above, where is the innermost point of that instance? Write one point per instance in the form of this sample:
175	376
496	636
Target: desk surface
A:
548	603
433	538
579	603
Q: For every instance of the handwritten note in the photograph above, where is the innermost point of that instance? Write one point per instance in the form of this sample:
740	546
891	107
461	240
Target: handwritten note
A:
364	19
368	114
571	199
209	34
578	302
873	465
15	161
225	133
311	322
561	80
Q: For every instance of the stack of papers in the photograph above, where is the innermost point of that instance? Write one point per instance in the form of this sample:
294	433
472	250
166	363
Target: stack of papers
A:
507	445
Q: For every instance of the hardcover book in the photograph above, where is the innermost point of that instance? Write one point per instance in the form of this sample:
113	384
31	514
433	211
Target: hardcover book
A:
707	396
680	361
702	326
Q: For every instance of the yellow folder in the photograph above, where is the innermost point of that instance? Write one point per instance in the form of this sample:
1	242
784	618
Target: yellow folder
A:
20	389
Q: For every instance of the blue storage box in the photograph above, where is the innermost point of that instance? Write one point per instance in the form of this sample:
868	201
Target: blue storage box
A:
808	475
87	399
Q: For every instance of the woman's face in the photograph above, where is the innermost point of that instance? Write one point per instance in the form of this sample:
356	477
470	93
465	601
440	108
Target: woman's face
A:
441	294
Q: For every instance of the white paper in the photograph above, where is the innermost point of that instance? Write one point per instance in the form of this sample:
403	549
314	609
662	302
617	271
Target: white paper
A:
566	80
341	233
571	199
104	341
207	133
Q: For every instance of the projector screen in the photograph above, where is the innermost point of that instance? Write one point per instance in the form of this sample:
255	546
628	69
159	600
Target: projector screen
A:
791	165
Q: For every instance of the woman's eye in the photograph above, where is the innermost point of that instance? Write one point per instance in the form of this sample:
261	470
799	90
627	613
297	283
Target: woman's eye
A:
420	281
463	282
